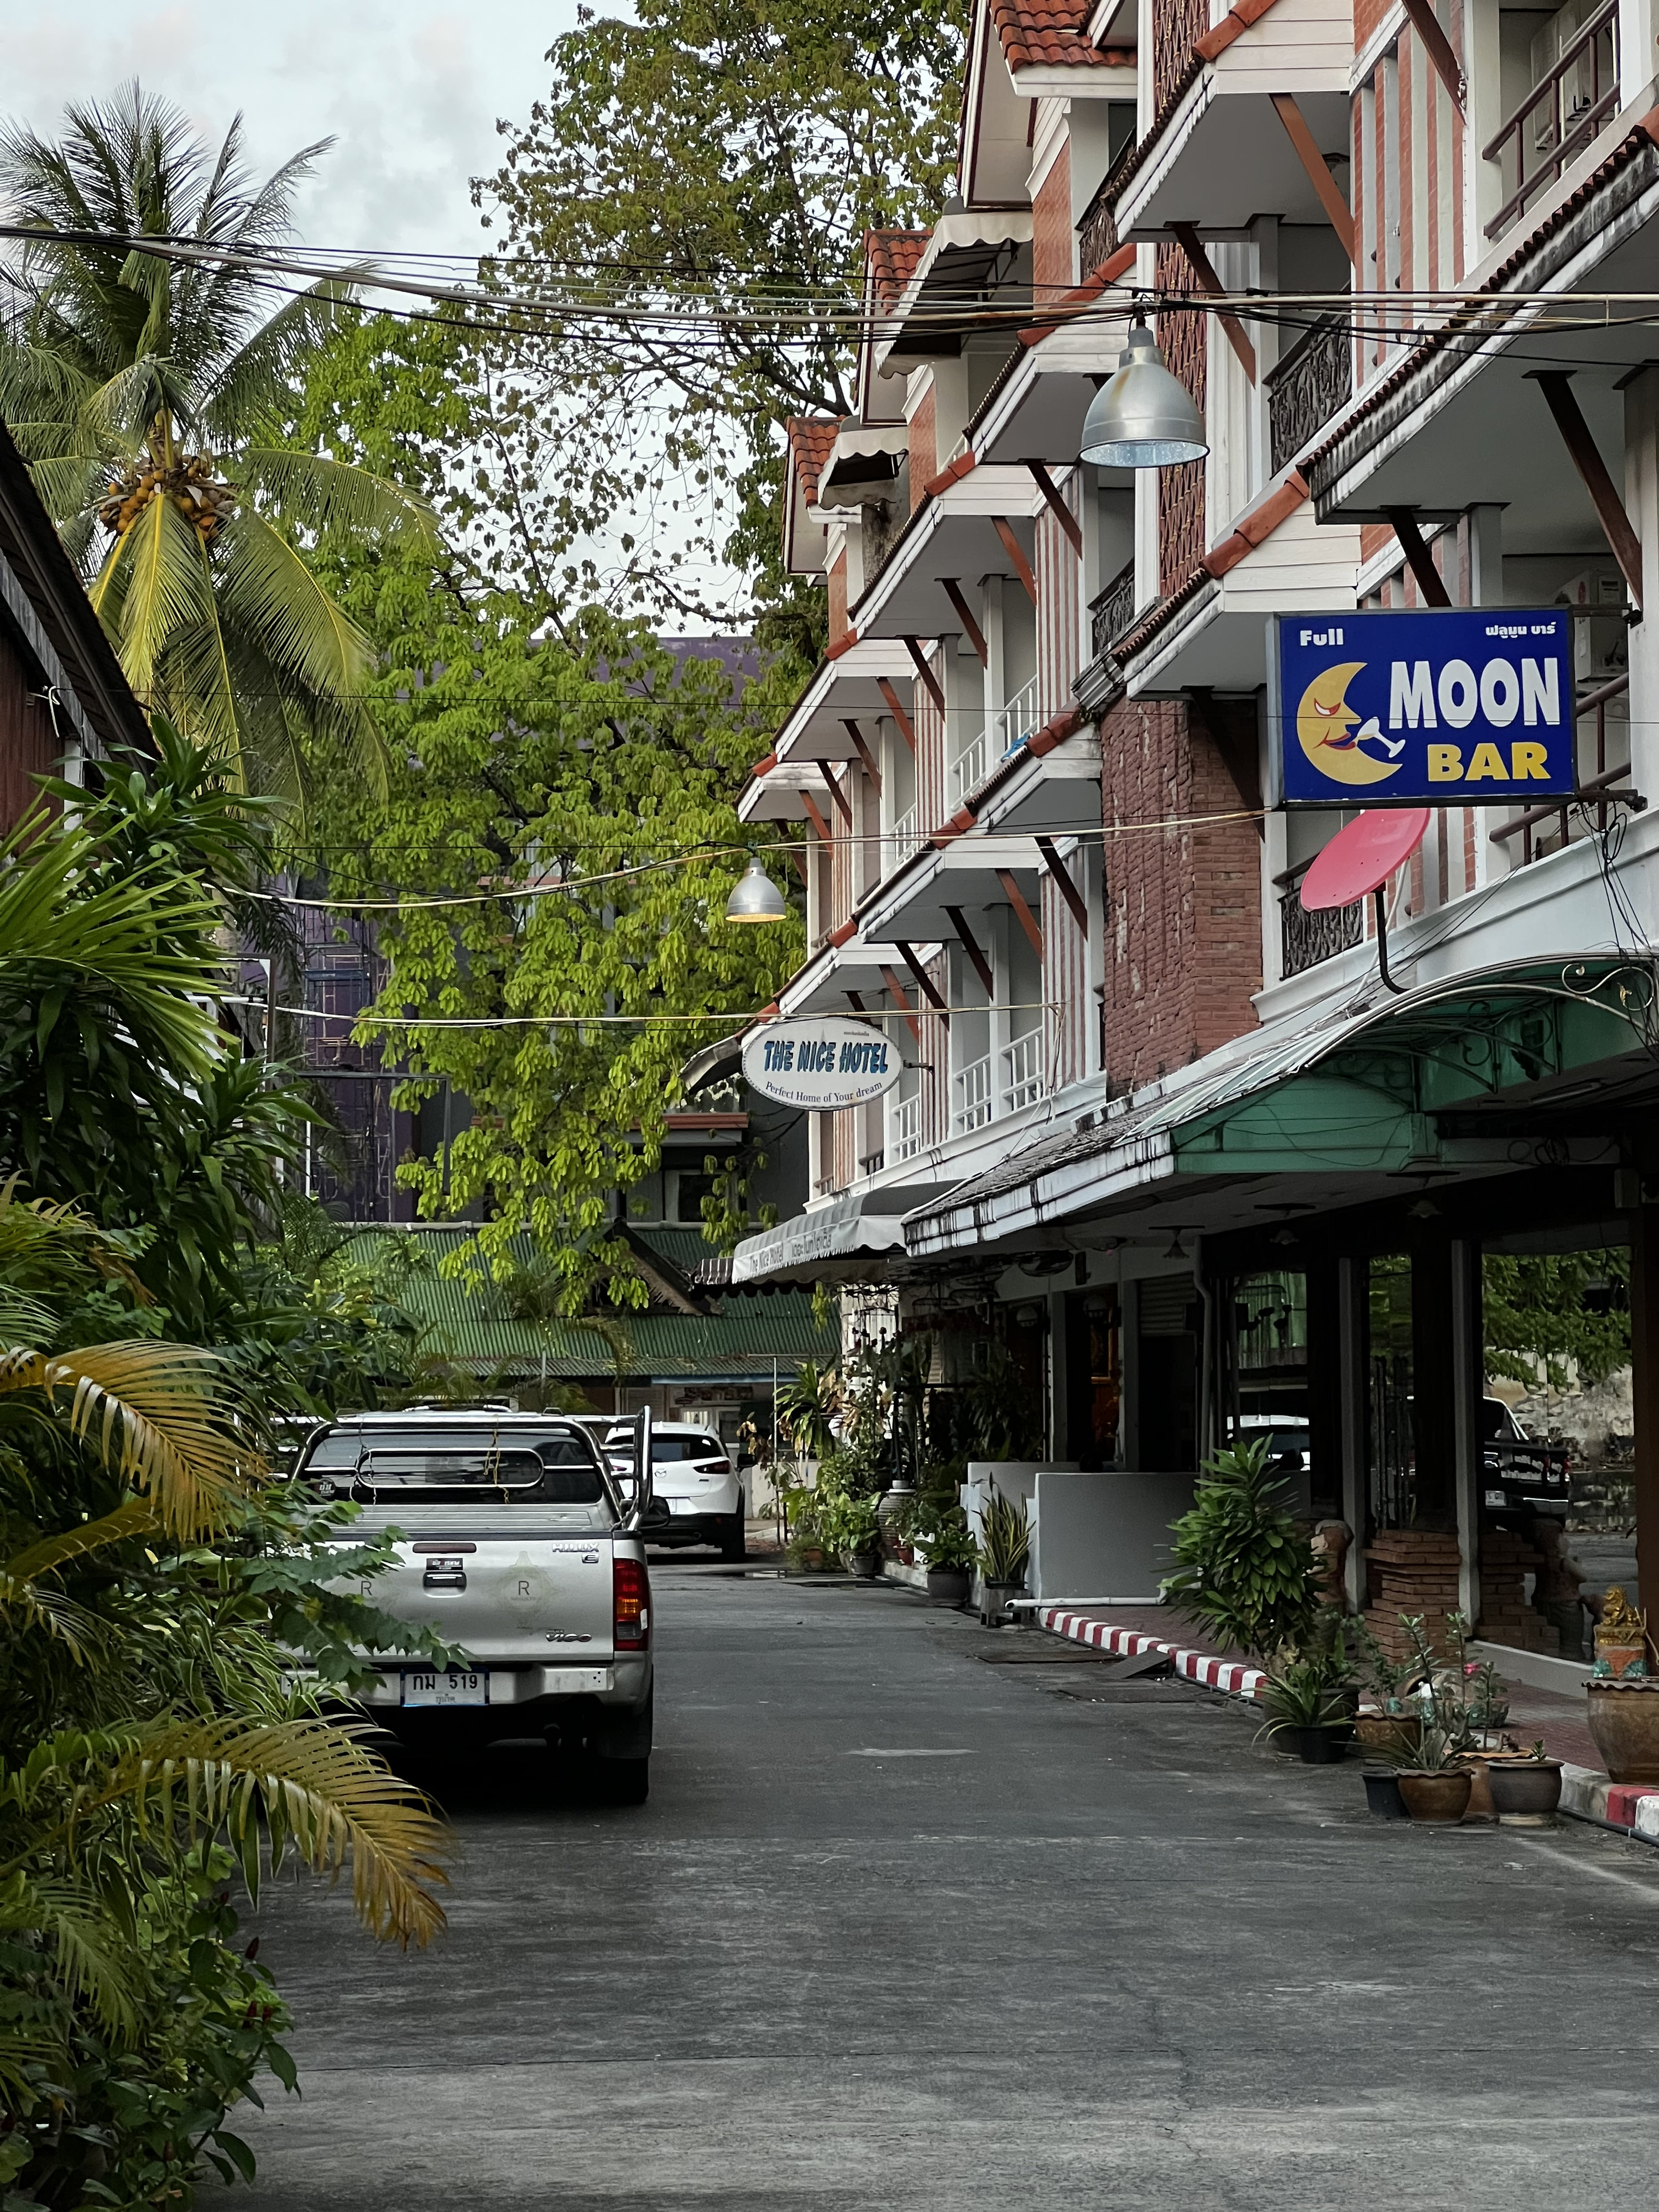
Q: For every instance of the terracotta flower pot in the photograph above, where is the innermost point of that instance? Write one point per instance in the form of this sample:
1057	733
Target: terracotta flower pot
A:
1386	1733
1624	1720
1525	1792
1439	1799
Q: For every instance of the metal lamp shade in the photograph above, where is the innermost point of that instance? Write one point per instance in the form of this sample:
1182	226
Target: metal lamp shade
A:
1144	418
756	897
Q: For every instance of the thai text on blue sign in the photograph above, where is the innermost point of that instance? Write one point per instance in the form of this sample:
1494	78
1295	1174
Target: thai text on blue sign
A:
1444	706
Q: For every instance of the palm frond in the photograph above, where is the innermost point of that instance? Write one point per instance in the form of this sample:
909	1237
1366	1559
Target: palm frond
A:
320	1792
94	1954
145	1408
255	384
136	1517
310	492
150	587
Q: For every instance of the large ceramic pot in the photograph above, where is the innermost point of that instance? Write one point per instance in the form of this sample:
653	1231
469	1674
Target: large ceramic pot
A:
1439	1799
1624	1719
947	1586
891	1500
1525	1792
1387	1734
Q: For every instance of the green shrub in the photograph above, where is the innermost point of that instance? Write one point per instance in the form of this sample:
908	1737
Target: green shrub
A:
1242	1567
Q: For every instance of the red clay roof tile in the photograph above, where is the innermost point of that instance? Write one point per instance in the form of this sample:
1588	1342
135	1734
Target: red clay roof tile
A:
811	440
1038	31
890	257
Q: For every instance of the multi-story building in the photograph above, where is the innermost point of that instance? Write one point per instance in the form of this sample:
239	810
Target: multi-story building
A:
1179	1138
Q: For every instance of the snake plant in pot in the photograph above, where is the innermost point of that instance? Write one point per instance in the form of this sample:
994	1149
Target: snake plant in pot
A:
1004	1548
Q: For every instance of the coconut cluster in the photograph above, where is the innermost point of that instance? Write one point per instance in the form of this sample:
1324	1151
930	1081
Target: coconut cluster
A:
205	501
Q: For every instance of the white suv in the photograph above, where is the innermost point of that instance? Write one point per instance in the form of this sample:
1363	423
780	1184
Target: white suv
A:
691	1475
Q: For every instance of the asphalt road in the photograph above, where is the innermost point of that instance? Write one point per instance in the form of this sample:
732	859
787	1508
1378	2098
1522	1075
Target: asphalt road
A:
901	1928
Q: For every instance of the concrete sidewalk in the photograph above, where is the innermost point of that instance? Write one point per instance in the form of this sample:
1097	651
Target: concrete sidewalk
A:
1536	1714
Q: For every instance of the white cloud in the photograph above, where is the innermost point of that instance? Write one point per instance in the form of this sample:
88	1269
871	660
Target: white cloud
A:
411	95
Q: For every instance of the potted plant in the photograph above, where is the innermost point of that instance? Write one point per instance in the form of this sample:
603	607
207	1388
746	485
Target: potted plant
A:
858	1529
1525	1788
1435	1776
1389	1726
950	1551
1004	1546
1306	1703
1244	1567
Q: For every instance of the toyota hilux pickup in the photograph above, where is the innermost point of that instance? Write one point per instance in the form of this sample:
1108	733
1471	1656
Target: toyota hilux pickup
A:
520	1545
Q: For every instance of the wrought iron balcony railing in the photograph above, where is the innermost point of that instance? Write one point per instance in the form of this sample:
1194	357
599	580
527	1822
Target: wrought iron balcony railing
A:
1111	611
1306	939
1313	381
1559	116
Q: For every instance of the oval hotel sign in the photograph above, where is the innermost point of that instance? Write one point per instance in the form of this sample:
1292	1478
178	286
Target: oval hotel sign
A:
1452	706
821	1065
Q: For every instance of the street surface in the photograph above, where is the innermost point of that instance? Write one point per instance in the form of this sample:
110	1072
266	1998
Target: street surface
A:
899	1928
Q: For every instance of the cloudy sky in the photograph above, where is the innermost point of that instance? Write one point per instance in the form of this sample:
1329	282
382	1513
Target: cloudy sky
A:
410	92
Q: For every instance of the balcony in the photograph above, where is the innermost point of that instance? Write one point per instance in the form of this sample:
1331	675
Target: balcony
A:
1546	830
1559	116
904	838
1111	611
904	1128
972	1103
1010	727
1023	1064
1307	939
1312	382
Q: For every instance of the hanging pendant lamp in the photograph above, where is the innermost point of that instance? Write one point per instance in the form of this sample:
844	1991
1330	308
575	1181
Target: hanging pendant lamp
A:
756	897
1144	418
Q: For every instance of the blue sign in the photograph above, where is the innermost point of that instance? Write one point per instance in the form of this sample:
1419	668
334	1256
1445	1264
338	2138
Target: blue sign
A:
1439	707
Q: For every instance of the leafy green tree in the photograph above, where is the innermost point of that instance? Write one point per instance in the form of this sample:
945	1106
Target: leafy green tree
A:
731	157
1552	1315
147	394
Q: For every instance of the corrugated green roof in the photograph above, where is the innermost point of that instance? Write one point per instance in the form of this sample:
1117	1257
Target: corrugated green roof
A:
742	1337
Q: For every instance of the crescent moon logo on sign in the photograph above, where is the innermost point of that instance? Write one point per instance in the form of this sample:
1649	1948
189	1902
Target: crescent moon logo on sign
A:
1325	726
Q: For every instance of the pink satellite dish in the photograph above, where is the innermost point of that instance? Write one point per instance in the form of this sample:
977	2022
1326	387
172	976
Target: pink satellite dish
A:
1362	855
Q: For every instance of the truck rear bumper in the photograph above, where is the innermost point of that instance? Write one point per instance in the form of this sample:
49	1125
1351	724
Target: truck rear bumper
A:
625	1681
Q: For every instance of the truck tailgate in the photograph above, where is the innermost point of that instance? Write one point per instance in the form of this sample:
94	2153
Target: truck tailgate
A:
532	1596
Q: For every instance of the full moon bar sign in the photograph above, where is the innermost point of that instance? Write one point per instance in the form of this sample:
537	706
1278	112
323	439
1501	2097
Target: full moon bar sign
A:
1454	706
823	1065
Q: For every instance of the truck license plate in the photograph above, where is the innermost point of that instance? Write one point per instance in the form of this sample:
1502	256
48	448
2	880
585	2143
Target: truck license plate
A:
459	1687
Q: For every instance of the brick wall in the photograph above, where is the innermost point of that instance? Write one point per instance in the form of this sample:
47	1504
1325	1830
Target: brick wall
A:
1054	241
1183	905
1181	542
924	450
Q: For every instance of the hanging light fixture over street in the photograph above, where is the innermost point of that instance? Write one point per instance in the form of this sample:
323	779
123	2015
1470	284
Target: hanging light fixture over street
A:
756	897
1144	418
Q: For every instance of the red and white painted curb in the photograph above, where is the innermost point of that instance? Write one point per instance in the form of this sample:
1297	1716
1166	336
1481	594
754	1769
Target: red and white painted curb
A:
1202	1667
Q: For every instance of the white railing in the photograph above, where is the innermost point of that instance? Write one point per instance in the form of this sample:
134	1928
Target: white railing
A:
1008	726
903	839
904	1128
1023	1061
972	1085
1018	719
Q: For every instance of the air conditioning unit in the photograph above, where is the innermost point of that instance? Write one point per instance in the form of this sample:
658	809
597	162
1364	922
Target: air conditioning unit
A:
1601	648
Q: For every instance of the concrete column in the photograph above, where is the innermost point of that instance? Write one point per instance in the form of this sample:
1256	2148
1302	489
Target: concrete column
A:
996	660
1480	557
1059	1377
1642	504
1468	1383
1000	1026
1356	1500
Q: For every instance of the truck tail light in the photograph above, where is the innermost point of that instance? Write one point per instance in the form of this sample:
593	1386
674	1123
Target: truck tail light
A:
631	1589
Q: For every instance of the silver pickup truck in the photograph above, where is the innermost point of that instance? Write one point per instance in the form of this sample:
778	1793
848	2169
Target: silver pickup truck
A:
519	1545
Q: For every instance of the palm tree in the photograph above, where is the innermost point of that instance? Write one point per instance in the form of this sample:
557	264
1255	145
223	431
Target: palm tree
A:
148	392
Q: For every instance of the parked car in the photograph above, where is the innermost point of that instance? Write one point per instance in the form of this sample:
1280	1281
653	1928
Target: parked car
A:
1517	1473
519	1542
692	1475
